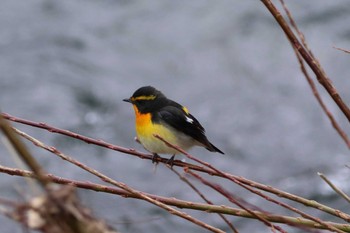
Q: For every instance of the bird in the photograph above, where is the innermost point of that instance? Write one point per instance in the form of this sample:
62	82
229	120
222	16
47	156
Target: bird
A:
155	114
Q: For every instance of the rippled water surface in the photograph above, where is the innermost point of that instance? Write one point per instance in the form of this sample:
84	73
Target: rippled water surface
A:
70	63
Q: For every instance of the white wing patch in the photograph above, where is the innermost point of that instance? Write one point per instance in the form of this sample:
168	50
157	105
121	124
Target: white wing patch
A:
189	120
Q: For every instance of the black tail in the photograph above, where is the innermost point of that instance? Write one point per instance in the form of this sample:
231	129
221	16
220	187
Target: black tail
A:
212	148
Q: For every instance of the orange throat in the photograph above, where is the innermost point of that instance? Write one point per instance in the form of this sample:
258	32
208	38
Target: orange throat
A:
142	119
145	130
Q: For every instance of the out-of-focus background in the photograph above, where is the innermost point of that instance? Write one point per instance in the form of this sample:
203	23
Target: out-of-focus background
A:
70	63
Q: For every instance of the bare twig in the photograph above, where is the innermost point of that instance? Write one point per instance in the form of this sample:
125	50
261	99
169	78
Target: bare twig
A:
344	50
226	194
176	202
266	188
335	188
247	187
22	151
313	64
7	202
184	179
119	184
58	210
99	142
334	123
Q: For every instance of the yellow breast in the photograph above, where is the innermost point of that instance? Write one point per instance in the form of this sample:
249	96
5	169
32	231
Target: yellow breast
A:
145	131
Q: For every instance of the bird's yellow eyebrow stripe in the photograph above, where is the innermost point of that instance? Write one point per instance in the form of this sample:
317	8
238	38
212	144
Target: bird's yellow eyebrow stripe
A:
143	97
185	110
152	97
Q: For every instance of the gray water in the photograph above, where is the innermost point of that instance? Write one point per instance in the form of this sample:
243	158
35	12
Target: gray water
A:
70	63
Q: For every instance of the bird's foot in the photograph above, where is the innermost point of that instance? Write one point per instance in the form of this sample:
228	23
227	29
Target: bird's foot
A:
155	158
137	140
170	161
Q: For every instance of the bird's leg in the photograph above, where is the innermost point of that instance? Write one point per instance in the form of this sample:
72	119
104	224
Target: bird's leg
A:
137	140
155	158
170	161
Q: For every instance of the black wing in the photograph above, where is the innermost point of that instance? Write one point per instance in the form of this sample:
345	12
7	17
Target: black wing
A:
186	123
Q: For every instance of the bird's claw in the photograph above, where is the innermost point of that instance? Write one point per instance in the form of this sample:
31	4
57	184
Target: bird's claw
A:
155	158
170	161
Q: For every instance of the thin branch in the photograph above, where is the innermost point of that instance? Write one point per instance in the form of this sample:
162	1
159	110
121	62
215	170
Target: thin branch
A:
119	184
22	151
54	213
344	50
305	215
176	202
334	123
99	142
266	188
7	202
335	188
226	194
313	64
184	179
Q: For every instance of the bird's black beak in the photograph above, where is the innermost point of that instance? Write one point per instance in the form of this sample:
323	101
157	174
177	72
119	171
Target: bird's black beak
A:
127	100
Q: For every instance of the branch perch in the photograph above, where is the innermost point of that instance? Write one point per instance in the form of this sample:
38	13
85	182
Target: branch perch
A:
176	202
266	188
121	185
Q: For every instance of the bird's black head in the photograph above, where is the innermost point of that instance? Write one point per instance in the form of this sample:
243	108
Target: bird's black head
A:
147	99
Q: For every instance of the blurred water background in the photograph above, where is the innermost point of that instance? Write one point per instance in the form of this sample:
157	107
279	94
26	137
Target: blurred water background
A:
70	63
